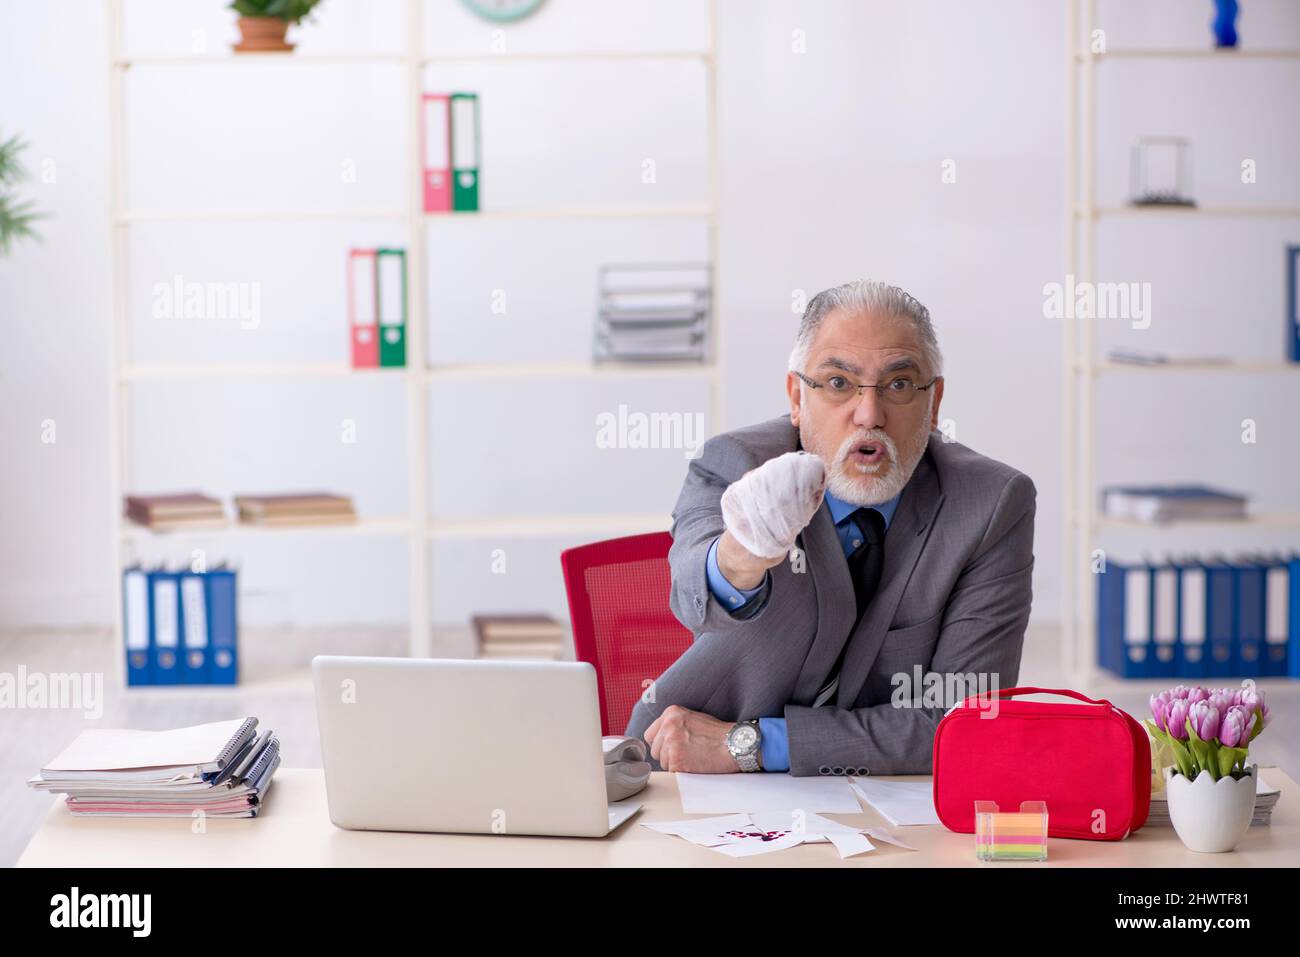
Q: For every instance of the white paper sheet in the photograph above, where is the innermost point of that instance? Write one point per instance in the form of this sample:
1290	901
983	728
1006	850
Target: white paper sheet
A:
900	802
765	832
726	793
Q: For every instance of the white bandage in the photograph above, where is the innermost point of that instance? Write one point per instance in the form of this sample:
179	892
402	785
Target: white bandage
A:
767	507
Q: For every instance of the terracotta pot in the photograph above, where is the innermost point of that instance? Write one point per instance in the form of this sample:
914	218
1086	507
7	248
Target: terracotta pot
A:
1211	816
262	35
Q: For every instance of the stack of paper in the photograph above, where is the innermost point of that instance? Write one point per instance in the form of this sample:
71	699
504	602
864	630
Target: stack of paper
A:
1265	797
222	769
651	311
901	803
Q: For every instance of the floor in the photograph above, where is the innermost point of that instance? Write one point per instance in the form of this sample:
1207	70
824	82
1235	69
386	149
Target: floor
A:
277	689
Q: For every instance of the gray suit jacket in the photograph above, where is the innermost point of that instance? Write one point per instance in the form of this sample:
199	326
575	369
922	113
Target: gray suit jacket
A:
954	597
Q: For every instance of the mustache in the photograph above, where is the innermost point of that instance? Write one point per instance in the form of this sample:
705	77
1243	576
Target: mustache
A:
869	437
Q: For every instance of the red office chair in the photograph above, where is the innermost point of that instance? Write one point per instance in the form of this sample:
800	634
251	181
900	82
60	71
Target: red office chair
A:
622	625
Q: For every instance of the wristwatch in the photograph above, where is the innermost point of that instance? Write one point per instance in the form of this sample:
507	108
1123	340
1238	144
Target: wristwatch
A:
745	741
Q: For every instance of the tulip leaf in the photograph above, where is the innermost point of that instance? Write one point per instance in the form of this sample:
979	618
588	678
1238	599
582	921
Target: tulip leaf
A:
1230	757
1203	751
1182	758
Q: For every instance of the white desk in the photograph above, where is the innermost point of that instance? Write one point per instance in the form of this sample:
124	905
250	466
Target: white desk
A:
295	830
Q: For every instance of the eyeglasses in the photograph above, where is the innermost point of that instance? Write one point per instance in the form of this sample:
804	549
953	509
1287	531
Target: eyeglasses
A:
900	390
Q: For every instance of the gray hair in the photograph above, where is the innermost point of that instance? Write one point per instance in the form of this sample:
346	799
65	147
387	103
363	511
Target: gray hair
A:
859	296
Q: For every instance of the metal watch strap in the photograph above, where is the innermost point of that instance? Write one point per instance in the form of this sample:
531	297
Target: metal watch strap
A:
754	760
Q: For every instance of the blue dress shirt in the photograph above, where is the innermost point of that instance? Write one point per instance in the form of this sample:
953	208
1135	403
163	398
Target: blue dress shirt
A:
745	602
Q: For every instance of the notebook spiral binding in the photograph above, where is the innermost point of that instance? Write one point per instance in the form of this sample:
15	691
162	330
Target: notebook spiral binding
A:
234	744
270	753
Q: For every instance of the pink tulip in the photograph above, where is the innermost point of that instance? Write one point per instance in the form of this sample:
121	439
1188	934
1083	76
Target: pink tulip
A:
1252	699
1178	719
1205	720
1235	729
1160	709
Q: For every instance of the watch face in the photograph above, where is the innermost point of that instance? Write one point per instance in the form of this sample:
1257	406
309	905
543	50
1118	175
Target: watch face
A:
743	739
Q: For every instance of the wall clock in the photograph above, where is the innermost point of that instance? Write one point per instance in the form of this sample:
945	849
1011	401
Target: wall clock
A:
502	11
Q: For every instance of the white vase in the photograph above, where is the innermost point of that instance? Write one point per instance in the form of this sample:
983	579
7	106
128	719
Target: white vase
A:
1210	816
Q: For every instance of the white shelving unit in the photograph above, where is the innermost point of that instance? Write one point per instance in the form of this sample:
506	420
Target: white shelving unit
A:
1080	366
418	525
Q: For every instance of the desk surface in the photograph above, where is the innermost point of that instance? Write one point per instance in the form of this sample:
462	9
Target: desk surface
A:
295	830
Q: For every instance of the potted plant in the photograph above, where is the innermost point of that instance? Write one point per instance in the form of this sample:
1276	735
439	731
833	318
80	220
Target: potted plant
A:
263	23
1209	787
15	216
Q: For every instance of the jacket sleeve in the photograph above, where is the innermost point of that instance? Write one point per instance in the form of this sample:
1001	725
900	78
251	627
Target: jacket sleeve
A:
982	633
697	522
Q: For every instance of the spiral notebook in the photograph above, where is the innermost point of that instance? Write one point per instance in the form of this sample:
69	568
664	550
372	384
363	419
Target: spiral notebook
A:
150	757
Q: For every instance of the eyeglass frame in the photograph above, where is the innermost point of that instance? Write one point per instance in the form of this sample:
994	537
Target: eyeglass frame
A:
878	386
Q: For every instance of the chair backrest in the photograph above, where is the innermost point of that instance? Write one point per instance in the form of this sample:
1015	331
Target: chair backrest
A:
622	624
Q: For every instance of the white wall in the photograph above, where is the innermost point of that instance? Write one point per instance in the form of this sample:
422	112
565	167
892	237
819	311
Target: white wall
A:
831	163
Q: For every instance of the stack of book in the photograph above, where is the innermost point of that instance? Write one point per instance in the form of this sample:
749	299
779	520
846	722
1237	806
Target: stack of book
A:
653	312
298	508
526	637
1265	797
1138	357
180	510
1171	503
222	769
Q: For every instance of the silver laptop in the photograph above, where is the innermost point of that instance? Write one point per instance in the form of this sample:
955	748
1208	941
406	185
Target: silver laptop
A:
490	747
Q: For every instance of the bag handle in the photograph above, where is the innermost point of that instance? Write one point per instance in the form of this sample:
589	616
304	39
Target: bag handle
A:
1066	692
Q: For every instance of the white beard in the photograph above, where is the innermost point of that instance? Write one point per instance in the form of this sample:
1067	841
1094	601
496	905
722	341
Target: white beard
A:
843	479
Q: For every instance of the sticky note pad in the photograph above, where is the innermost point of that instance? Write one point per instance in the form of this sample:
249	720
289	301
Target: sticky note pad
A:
1011	835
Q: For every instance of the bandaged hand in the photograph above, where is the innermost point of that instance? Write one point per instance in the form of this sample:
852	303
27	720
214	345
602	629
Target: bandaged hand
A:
767	507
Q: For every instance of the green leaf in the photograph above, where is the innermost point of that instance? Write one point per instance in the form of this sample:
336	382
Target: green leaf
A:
1203	751
1229	758
290	11
1182	758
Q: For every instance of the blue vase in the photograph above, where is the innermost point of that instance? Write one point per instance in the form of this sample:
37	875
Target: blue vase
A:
1225	23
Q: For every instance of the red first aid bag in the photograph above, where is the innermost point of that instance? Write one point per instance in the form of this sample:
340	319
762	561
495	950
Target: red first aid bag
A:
1090	761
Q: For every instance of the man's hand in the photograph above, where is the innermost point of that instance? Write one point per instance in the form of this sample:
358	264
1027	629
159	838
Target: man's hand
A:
764	511
685	740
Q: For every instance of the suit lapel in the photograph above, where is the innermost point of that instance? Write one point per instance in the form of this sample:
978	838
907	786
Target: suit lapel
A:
836	605
904	541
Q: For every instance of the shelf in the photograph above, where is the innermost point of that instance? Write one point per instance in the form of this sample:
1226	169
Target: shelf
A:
404	213
703	56
1244	212
1252	522
573	370
230	58
630	211
1190	53
558	369
252	370
245	216
549	526
362	526
1248	367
